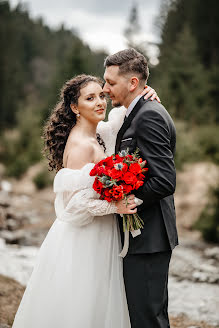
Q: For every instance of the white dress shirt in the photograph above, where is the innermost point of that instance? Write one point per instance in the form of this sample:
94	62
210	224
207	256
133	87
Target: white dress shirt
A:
132	105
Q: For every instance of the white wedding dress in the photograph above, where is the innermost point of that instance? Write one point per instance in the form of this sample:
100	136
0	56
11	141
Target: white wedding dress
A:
77	281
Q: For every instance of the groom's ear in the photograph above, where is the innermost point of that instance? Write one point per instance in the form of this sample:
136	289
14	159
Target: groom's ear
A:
134	83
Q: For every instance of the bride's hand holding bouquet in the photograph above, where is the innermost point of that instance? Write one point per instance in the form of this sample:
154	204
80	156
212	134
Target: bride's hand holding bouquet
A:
115	178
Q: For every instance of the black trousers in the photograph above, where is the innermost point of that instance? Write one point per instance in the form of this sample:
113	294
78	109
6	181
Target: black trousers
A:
146	280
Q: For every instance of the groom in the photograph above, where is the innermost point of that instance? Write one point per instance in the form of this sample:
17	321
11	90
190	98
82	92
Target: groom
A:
149	127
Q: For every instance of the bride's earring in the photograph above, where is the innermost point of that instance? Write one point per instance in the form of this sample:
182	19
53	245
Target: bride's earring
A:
78	115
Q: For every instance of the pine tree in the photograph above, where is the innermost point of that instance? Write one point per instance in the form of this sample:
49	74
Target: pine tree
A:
133	27
133	30
184	82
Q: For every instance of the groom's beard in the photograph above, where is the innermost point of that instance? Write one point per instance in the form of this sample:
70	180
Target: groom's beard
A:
117	105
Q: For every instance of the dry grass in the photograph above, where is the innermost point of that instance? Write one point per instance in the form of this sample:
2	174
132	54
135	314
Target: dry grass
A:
182	321
10	295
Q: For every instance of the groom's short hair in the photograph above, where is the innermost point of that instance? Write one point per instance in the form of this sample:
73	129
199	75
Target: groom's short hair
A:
129	61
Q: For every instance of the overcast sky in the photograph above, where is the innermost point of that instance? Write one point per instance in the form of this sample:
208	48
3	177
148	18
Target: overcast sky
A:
100	23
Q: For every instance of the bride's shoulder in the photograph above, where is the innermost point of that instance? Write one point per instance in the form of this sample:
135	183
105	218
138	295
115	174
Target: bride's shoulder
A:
78	153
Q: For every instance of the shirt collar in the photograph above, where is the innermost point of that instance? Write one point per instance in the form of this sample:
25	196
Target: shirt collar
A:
132	105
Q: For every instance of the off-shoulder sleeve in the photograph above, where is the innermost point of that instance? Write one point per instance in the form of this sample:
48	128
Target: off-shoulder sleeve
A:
76	201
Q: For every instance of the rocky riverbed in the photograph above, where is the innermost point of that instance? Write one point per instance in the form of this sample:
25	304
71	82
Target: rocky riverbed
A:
25	218
193	283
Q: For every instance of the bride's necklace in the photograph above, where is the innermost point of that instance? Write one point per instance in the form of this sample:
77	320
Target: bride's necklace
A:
100	141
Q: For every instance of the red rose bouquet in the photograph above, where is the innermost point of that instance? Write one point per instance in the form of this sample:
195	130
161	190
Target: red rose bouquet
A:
116	177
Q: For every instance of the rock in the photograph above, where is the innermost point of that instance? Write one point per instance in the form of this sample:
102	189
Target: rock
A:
212	253
10	220
200	276
3	224
4	203
2	243
199	301
191	264
22	237
6	186
13	237
13	224
17	262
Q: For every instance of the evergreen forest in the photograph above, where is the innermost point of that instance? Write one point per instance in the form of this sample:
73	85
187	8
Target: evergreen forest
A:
35	60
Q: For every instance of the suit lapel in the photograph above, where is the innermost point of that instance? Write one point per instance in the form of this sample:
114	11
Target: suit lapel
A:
128	122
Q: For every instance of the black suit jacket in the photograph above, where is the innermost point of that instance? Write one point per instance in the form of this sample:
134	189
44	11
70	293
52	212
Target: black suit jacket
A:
150	128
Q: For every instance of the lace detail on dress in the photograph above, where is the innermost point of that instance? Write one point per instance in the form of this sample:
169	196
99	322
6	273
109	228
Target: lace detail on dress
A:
76	201
101	207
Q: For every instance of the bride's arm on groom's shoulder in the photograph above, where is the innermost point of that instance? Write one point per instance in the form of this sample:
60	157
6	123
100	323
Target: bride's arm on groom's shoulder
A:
114	122
108	130
149	92
153	140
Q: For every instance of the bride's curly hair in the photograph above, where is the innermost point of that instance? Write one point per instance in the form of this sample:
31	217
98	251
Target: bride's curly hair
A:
63	119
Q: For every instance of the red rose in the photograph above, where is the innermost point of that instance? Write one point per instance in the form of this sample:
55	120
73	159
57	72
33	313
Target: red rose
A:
108	161
118	159
100	170
115	174
117	192
127	188
118	170
125	167
107	195
135	168
138	184
100	163
93	172
97	185
129	178
140	176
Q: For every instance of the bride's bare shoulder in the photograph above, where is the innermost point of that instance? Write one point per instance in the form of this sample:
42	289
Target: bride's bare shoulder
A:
78	153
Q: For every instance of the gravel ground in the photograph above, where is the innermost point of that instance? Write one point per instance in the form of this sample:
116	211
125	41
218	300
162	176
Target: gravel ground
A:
194	269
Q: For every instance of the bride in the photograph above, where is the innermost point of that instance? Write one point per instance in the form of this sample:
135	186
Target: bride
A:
77	280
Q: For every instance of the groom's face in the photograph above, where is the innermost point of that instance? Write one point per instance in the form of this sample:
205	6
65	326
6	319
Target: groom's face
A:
116	86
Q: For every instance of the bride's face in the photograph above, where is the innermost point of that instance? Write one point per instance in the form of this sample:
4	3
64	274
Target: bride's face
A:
91	103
